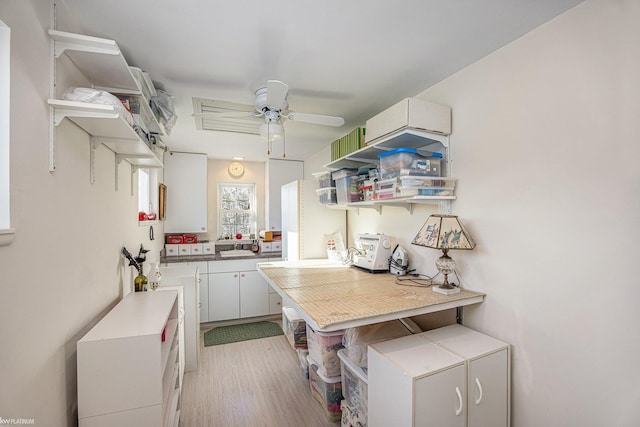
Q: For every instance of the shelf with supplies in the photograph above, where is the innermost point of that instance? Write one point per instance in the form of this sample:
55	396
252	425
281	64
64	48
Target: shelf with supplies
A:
405	138
101	62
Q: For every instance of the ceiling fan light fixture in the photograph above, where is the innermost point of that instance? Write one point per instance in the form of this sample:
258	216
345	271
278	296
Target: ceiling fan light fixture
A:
271	131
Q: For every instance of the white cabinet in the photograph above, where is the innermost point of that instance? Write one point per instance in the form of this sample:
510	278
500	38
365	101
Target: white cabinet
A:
305	223
488	372
451	376
277	173
185	175
413	382
128	364
237	290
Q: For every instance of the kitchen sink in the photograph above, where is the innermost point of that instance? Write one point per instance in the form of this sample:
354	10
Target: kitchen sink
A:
236	252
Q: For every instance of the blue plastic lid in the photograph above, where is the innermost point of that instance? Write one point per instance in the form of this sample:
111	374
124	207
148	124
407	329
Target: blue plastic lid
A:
408	150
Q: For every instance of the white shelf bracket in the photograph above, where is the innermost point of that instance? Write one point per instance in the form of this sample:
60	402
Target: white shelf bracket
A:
92	159
119	159
134	170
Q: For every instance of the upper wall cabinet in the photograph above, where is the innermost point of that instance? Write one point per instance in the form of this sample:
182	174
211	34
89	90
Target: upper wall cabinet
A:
104	67
185	175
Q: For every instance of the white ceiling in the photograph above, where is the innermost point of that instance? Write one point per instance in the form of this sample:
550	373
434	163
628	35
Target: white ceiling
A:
348	58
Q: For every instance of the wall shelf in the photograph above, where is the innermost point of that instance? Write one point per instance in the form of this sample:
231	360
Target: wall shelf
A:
102	63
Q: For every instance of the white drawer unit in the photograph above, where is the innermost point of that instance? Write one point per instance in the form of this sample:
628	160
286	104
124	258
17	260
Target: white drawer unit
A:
129	362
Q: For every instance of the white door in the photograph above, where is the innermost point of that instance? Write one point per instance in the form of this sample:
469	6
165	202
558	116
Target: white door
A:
254	294
488	388
440	399
224	296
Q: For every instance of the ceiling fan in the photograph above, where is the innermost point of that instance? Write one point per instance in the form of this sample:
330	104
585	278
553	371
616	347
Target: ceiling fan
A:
271	103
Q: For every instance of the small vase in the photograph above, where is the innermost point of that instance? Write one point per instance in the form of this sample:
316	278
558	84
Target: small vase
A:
140	283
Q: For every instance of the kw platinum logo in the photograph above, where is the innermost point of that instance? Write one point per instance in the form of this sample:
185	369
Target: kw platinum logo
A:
16	421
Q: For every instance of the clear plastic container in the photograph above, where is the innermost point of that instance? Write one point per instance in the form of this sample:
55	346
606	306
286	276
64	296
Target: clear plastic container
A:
354	385
341	173
327	391
323	348
426	181
347	190
324	179
294	327
327	196
407	161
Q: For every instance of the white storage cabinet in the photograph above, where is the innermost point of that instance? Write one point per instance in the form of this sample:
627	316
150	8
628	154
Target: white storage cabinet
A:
128	364
185	175
275	300
277	173
488	373
413	382
236	290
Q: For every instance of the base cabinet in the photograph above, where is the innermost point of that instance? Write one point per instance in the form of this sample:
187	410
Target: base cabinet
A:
452	376
236	290
128	364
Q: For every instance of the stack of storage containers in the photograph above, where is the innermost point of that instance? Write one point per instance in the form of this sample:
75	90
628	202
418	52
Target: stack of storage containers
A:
326	188
324	370
295	330
405	172
347	186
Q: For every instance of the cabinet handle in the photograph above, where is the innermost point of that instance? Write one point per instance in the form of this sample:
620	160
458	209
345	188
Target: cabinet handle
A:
479	398
235	275
242	275
459	410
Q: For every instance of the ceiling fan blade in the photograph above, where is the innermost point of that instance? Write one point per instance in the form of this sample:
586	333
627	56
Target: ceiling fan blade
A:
316	119
276	94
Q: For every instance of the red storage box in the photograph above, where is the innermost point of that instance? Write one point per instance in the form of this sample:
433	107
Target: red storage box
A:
174	239
190	238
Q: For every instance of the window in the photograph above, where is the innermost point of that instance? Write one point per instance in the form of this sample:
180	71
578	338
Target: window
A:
5	45
148	191
236	209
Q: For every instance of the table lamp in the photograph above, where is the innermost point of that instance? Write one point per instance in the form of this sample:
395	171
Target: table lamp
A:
444	232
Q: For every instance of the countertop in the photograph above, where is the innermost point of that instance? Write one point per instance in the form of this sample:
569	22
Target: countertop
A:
216	257
330	296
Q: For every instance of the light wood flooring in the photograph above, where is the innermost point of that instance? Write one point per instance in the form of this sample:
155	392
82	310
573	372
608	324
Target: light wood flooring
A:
251	383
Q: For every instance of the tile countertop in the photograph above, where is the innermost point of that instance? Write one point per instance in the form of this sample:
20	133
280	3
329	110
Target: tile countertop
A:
195	258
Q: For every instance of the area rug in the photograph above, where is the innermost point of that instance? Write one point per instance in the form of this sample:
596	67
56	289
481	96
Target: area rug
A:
235	333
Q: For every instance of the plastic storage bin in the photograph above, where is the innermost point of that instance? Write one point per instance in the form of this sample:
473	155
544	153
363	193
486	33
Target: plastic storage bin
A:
324	179
304	361
347	190
426	186
327	196
354	386
327	391
407	161
323	348
294	327
341	173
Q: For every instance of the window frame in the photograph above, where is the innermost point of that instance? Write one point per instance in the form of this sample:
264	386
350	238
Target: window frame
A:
6	231
253	207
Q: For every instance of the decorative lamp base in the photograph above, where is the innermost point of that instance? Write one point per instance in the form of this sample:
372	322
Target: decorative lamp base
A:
446	291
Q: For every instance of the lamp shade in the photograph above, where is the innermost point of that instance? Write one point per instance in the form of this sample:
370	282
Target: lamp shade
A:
444	232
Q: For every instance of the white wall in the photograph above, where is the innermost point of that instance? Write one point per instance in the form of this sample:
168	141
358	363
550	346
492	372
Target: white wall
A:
545	149
63	270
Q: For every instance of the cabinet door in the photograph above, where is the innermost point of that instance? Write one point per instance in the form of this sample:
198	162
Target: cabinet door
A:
275	304
224	296
203	288
440	399
185	175
488	390
254	294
